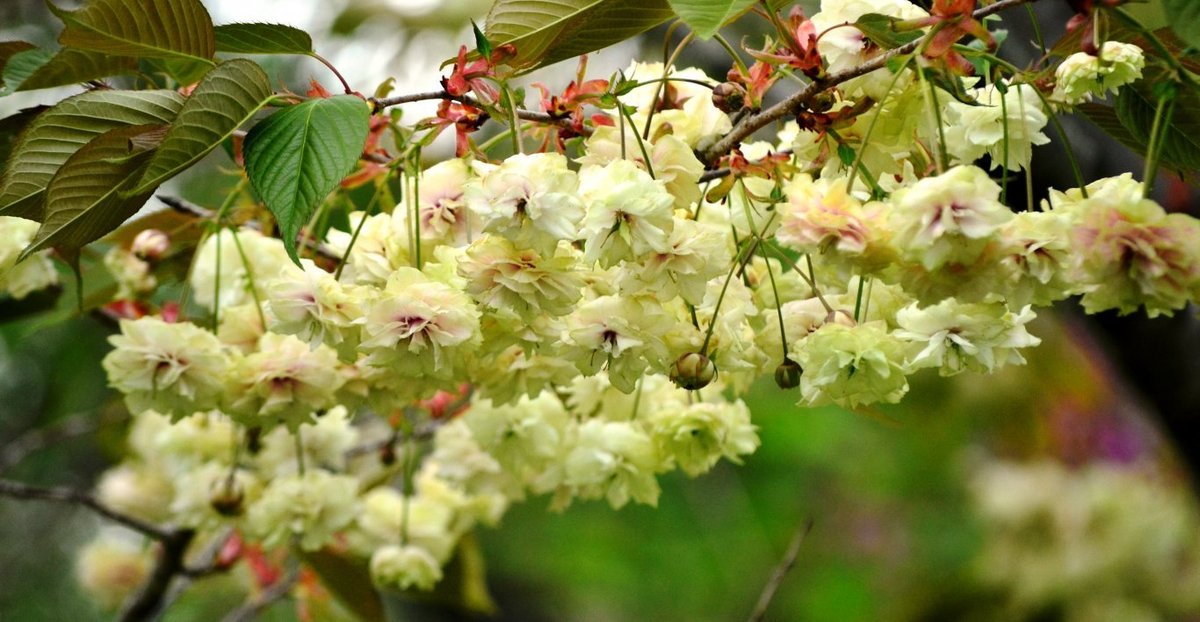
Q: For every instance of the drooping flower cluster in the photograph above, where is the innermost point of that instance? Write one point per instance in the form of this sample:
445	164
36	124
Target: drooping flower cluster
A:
575	327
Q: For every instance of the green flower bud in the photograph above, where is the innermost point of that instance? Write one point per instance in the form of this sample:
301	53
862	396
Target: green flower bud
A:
693	371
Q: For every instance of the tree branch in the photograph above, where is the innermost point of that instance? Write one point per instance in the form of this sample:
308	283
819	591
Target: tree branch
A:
253	607
781	570
800	100
16	450
150	599
18	490
525	115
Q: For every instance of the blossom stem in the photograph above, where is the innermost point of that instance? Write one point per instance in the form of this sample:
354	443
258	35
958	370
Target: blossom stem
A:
668	62
858	156
737	59
641	143
733	269
298	441
258	306
340	77
1158	131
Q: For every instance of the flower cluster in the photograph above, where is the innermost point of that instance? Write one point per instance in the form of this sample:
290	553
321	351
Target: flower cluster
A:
575	327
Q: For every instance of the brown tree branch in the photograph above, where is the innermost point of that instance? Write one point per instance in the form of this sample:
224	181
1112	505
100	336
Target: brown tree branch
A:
800	100
150	599
785	565
37	439
18	490
523	114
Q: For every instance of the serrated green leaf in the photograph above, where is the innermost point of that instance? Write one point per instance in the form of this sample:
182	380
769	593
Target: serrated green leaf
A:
1135	106
72	66
1184	17
59	132
705	17
22	65
262	39
86	200
880	29
227	97
297	156
547	31
143	28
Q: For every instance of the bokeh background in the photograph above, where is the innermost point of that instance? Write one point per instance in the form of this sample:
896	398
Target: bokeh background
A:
1061	490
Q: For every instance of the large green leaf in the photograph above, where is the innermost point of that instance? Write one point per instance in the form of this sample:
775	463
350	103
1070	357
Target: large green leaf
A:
73	66
547	31
86	199
262	39
705	17
1135	106
297	156
59	132
227	97
22	65
1184	16
147	28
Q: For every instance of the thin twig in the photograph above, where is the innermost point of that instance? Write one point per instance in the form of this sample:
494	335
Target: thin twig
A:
800	100
18	490
191	209
526	115
15	451
254	607
781	570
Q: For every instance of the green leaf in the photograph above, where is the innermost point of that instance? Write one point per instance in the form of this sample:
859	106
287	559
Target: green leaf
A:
547	31
145	28
349	581
297	156
59	132
227	97
8	49
482	45
1108	121
1184	17
183	71
85	200
11	127
262	39
880	29
72	66
22	65
1135	106
705	17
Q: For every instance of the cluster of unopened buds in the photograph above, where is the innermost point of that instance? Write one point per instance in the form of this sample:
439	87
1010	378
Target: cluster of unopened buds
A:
576	328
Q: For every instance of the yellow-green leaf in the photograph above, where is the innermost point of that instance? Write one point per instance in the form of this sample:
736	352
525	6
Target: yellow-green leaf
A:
547	31
705	17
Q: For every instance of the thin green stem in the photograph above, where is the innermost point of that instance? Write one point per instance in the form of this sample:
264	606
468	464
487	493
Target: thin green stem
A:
1162	116
858	298
298	440
258	307
1037	29
737	59
858	156
641	143
668	62
1004	144
927	89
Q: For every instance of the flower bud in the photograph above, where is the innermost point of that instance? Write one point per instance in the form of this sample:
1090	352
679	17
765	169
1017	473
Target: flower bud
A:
150	245
840	316
787	375
693	371
729	97
226	497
